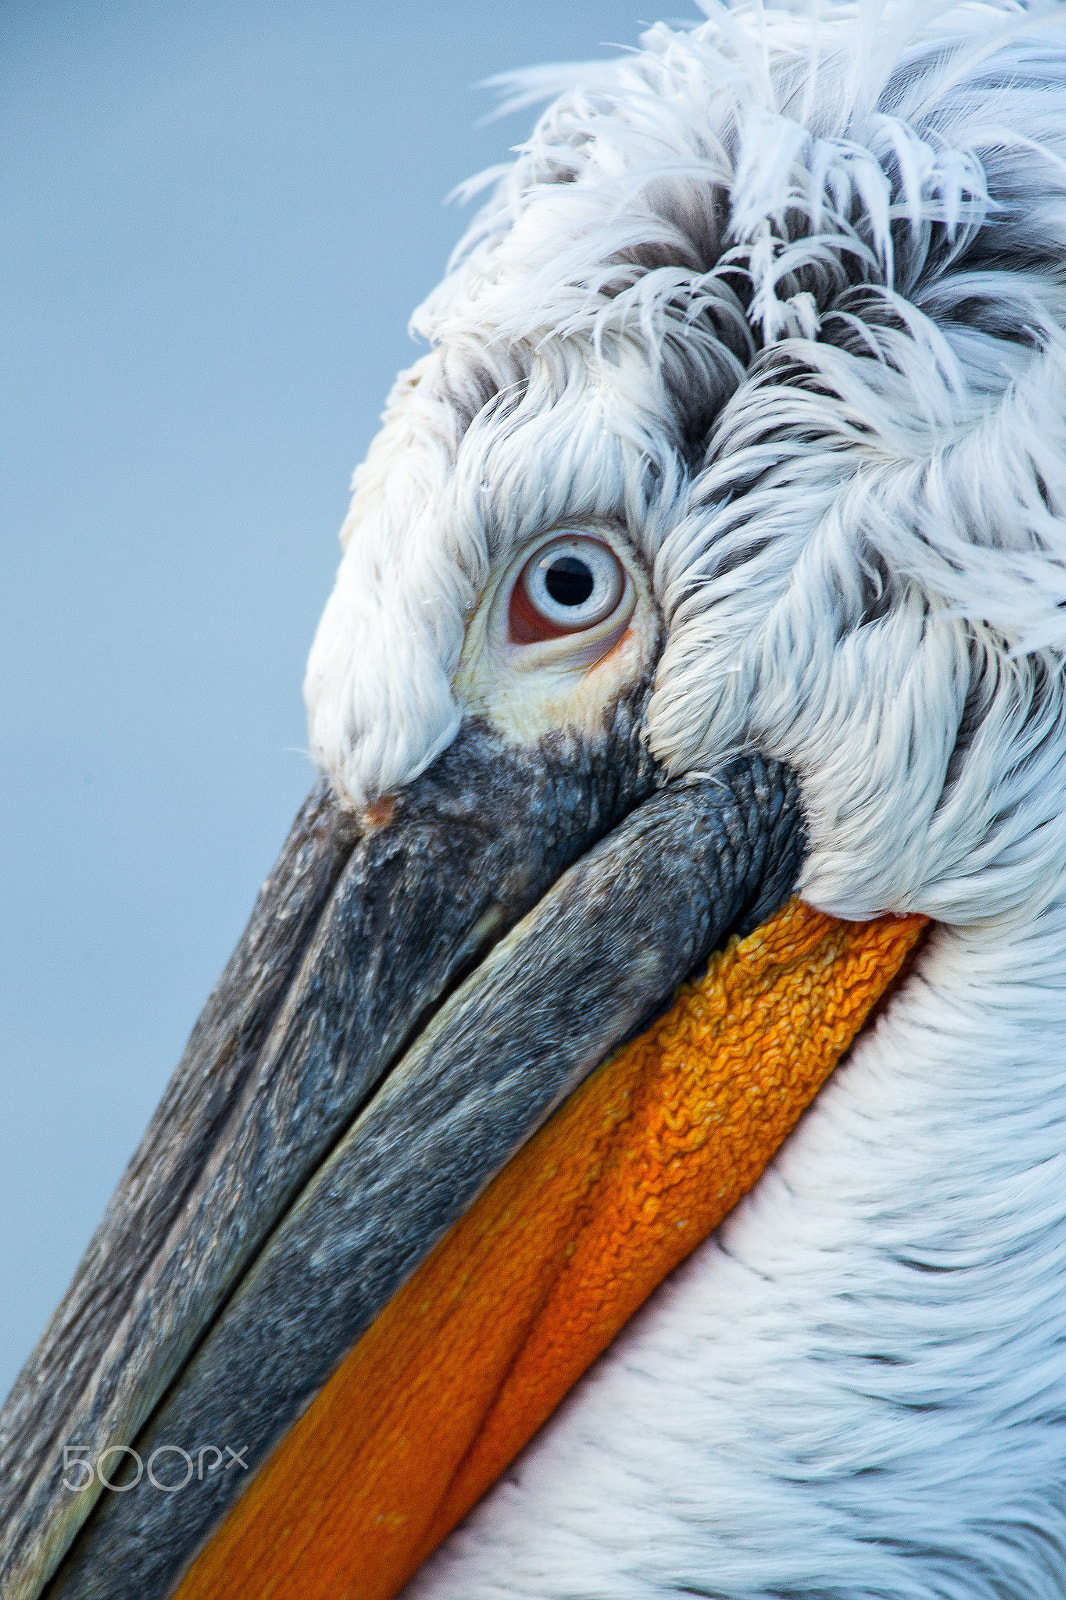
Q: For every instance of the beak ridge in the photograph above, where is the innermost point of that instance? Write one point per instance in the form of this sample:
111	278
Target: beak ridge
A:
288	1242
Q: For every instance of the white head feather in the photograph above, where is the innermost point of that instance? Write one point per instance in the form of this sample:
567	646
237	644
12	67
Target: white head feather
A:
785	295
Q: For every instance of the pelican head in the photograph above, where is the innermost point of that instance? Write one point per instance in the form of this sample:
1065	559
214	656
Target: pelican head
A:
690	726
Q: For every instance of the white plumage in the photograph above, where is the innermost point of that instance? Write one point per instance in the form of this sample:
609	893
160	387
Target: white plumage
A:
784	297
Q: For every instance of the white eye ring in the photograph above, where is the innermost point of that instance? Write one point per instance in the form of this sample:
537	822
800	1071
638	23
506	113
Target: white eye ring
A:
573	583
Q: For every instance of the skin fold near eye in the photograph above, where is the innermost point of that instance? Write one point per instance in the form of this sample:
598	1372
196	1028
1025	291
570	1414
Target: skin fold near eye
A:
532	661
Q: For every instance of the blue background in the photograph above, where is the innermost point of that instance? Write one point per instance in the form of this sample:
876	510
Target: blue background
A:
216	220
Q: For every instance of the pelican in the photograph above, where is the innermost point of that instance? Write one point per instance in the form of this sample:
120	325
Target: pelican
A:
626	1153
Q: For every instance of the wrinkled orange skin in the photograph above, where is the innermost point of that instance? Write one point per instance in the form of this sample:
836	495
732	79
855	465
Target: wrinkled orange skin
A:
637	1167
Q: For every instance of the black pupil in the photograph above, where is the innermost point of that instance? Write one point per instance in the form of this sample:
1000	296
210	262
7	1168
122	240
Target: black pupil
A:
569	581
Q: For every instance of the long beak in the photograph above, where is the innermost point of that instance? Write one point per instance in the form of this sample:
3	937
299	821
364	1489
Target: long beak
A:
409	1005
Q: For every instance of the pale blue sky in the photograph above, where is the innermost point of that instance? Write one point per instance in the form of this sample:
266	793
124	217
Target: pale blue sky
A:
217	216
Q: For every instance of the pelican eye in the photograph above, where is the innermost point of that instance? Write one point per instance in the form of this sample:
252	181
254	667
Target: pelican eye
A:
569	585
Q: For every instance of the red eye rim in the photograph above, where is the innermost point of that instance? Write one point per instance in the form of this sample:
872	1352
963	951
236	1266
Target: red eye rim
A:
528	624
